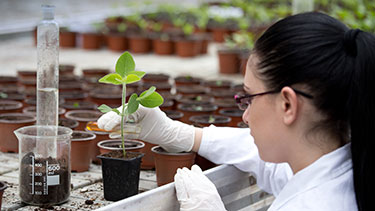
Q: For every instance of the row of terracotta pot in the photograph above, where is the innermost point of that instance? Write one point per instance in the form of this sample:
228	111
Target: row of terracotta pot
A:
232	61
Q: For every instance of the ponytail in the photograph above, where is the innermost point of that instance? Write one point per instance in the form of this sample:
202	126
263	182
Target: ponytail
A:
362	118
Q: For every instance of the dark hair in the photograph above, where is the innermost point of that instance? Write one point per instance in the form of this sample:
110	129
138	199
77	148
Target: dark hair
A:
336	65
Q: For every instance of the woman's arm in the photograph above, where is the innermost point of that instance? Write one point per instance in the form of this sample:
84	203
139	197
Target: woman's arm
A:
235	146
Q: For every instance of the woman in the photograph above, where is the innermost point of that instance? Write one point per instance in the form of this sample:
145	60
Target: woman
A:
310	109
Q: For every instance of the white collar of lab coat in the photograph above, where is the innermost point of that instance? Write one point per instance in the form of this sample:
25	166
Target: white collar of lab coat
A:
327	167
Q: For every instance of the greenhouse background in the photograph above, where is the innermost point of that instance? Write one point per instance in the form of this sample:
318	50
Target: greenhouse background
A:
193	51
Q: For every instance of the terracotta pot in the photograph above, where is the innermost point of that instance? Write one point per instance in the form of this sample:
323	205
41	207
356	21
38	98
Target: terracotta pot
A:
175	115
225	103
3	186
12	96
70	123
10	106
167	105
95	72
228	61
187	80
95	151
8	123
26	74
204	163
8	80
70	86
218	34
234	113
117	42
110	98
67	39
207	120
139	44
192	90
9	88
148	161
81	153
31	110
66	70
163	47
242	125
194	99
31	101
107	146
192	110
218	85
83	117
156	77
167	163
160	86
120	175
91	41
79	105
223	94
186	48
73	96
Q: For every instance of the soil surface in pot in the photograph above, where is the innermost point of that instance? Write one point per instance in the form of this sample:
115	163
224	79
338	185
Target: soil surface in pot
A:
68	123
187	80
82	105
192	89
119	145
195	99
9	105
175	115
80	135
210	119
156	77
86	115
56	193
14	118
119	154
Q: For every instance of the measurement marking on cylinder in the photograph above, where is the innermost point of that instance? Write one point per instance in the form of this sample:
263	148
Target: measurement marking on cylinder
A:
46	184
32	177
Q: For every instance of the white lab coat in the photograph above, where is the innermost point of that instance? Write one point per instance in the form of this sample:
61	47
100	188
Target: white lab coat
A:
325	185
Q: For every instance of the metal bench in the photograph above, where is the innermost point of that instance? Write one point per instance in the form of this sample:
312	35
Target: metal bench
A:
237	189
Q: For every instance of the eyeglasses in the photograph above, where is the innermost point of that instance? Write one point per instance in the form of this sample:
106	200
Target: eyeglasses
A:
244	100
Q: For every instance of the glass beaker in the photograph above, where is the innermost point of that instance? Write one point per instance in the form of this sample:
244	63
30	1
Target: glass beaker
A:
44	180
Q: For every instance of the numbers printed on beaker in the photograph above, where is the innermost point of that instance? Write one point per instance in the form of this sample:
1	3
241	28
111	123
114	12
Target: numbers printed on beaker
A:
38	183
38	165
38	174
53	167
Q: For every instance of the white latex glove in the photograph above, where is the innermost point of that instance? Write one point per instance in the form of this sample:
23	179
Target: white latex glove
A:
196	192
156	128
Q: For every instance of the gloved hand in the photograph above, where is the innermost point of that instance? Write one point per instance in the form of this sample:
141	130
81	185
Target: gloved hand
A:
195	191
156	128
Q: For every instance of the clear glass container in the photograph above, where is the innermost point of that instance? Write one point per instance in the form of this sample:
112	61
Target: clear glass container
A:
44	180
47	68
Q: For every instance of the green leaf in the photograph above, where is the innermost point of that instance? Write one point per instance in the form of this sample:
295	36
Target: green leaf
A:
125	64
112	78
133	104
140	74
147	93
116	111
131	78
104	108
153	100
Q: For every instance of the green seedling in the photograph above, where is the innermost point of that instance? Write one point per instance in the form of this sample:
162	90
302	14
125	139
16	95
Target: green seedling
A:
3	95
76	105
211	119
126	74
198	108
198	98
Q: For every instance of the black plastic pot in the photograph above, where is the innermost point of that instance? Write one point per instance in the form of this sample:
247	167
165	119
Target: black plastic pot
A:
120	176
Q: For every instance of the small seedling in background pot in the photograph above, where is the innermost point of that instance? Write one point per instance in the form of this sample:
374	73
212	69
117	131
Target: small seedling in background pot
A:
126	74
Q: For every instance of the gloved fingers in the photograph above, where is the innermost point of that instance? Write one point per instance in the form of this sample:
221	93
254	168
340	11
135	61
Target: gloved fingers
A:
180	186
195	168
112	123
102	121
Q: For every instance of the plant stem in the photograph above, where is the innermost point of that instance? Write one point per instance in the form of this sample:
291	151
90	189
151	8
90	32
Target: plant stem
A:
122	118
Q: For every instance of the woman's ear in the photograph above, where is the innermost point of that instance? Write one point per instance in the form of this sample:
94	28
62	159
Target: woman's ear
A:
289	105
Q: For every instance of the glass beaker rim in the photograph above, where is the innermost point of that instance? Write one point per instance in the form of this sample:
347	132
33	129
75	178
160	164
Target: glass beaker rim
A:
65	131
